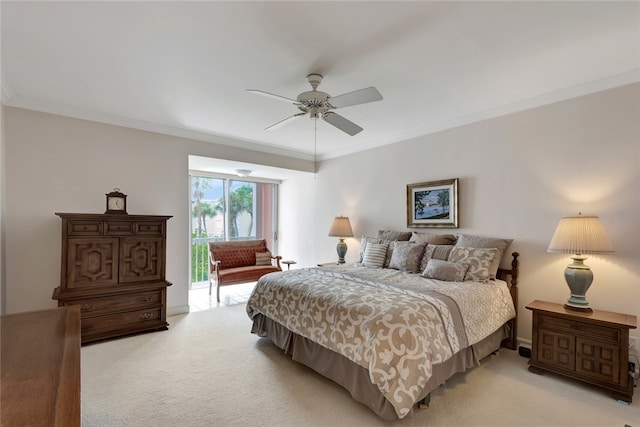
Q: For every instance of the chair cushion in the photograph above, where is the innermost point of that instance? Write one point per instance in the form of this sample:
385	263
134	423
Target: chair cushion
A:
244	274
231	258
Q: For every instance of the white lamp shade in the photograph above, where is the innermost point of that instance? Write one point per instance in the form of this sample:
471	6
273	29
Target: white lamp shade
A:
341	227
580	235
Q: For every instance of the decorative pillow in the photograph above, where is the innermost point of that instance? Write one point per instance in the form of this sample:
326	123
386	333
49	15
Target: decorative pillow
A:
440	252
366	240
400	236
434	239
374	255
263	258
445	270
478	259
406	256
501	245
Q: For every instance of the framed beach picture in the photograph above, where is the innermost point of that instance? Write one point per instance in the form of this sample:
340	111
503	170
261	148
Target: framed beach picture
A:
433	204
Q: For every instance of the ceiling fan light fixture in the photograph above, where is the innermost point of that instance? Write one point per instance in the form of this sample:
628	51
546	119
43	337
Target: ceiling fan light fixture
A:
243	173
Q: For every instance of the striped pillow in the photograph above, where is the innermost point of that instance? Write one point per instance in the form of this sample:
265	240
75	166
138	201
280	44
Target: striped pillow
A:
374	255
263	258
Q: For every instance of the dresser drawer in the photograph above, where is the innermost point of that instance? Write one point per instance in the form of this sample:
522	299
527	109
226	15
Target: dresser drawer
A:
97	306
579	327
150	228
119	228
84	228
119	323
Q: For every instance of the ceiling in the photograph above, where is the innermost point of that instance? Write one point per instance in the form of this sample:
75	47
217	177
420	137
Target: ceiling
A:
182	68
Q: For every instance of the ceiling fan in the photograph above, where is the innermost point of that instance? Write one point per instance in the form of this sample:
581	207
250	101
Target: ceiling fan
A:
321	104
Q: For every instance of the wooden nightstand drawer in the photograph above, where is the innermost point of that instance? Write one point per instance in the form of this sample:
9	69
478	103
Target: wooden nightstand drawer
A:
579	327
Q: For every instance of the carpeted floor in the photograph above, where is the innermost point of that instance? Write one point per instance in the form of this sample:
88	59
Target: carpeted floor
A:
208	370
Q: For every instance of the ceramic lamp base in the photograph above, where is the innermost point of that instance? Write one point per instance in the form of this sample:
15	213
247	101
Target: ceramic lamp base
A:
579	277
341	248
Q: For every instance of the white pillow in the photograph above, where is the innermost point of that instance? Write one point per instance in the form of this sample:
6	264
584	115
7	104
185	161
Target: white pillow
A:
374	255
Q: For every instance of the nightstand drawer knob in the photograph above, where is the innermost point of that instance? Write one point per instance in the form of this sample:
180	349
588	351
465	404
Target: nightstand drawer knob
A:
576	326
145	298
86	307
146	316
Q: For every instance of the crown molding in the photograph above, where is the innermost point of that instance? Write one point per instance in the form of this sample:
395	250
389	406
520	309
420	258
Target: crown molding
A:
9	99
595	86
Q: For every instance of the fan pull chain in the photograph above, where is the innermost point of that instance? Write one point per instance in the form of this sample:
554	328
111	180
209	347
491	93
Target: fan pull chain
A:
315	145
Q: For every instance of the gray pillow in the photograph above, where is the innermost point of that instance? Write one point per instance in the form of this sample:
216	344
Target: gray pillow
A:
406	256
394	235
432	238
440	252
470	241
445	270
478	259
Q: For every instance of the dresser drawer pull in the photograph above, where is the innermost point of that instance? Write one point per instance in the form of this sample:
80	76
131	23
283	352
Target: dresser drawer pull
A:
86	327
146	316
86	307
145	298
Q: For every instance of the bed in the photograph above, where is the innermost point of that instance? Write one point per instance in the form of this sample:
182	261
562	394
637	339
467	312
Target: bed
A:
389	336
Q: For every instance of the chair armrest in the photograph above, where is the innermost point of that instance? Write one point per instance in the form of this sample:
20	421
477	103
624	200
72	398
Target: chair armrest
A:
277	258
213	264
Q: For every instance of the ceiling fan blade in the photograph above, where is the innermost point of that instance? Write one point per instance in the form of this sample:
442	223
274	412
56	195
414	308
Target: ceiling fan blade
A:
341	123
362	96
285	121
271	95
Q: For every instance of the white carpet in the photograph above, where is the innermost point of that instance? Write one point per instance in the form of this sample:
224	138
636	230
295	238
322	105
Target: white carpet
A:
208	370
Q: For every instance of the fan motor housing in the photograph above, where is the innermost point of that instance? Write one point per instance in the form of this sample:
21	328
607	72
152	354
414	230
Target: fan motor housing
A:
314	99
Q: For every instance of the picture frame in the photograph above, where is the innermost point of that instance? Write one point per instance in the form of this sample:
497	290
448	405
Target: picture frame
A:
433	204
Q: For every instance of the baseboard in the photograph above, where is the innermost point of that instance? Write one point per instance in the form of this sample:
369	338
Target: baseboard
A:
178	309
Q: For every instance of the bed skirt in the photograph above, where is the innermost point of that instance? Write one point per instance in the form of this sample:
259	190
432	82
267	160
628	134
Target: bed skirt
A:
355	378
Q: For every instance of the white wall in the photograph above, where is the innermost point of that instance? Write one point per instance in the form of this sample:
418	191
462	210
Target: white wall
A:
518	175
60	164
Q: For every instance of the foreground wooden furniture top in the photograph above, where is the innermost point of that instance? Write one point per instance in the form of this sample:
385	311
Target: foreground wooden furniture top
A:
41	368
590	347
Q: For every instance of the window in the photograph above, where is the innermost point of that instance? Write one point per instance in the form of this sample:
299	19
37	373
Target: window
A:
229	209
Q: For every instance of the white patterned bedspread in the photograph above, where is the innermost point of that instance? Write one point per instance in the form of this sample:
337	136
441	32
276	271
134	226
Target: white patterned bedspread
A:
395	324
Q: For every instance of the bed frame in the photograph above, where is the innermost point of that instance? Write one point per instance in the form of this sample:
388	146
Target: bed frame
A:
355	378
511	277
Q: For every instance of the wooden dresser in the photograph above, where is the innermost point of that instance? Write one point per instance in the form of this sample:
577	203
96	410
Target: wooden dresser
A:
113	267
590	347
41	368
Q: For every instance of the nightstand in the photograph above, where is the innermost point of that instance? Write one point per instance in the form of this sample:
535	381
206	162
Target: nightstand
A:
590	347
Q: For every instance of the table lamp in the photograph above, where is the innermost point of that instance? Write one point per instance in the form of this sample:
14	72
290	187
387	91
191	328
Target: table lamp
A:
341	227
579	235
